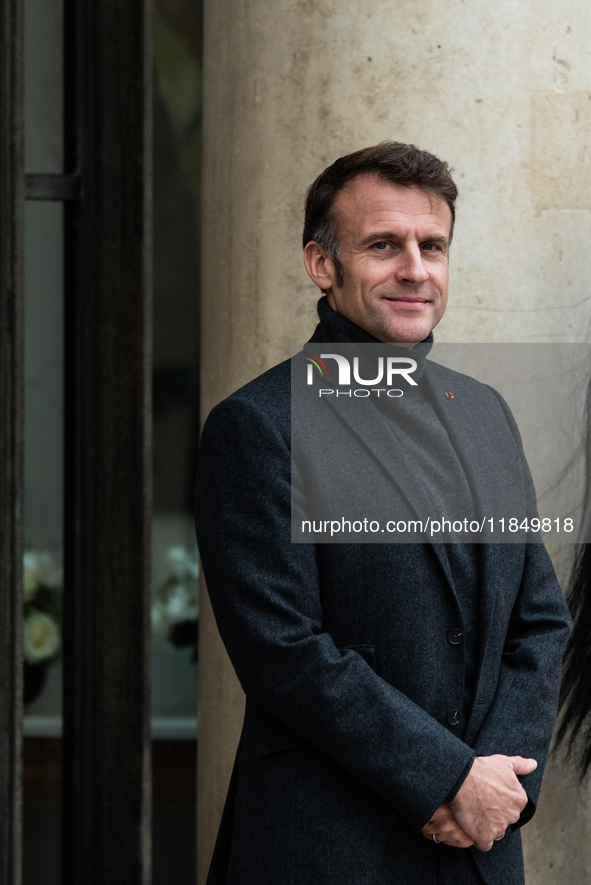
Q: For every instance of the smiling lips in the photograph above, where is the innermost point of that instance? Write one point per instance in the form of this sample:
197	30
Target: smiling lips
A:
408	303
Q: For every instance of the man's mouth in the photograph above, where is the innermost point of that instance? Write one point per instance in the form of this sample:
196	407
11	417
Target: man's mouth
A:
408	302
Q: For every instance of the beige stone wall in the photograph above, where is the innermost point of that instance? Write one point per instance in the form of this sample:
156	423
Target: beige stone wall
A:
502	91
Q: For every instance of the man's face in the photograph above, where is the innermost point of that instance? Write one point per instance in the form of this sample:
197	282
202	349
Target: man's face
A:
394	248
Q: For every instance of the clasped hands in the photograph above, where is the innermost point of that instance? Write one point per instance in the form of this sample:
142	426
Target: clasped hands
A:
490	799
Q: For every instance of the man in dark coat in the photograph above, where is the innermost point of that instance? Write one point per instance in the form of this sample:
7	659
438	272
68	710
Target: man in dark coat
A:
400	697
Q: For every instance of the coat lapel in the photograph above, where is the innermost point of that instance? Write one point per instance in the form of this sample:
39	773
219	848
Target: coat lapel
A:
472	428
379	436
488	455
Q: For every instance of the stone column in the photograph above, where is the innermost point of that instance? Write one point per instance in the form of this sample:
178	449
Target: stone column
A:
504	94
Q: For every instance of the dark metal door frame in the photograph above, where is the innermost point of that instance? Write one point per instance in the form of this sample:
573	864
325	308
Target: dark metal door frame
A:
108	454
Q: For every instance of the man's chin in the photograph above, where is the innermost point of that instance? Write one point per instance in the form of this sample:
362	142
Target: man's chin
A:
398	326
406	331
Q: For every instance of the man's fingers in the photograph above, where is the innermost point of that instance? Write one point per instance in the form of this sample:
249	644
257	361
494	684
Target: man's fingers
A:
457	838
521	765
446	829
484	846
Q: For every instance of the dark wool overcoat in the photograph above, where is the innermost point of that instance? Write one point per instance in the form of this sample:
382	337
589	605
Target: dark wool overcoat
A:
350	741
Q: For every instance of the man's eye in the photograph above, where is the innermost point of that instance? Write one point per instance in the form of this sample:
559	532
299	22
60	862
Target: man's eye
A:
381	246
430	247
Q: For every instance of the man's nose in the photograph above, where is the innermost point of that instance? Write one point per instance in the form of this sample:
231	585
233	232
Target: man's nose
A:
411	268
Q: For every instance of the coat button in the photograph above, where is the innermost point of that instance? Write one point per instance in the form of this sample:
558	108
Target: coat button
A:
453	717
455	636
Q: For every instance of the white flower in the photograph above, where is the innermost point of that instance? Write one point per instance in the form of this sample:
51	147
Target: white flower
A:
42	638
176	600
40	570
181	604
183	564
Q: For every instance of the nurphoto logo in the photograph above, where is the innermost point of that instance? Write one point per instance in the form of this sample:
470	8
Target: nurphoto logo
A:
388	368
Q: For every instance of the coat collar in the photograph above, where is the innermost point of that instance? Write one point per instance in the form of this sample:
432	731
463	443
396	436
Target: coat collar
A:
337	329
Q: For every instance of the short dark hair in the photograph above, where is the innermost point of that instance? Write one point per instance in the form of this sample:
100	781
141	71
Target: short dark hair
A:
393	161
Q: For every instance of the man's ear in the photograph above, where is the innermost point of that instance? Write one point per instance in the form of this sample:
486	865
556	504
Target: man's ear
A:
320	266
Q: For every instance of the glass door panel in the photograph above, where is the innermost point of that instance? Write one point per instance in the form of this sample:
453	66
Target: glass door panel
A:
43	512
43	542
